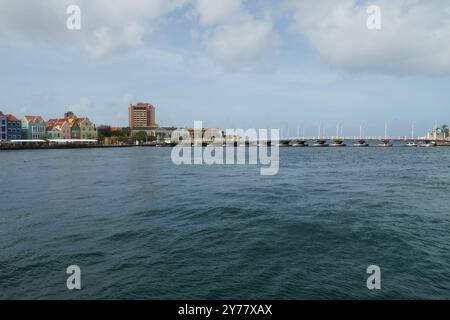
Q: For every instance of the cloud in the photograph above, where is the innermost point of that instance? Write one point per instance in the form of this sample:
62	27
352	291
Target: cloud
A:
81	107
211	12
118	24
105	40
231	34
245	45
107	25
234	36
415	35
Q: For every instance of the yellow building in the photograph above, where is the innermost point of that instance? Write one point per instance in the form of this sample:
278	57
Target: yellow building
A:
71	127
87	128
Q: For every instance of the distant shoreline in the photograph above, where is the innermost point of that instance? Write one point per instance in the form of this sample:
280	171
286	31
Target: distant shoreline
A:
6	147
68	146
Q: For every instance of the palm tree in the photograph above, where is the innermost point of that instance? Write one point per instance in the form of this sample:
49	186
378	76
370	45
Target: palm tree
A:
443	130
141	136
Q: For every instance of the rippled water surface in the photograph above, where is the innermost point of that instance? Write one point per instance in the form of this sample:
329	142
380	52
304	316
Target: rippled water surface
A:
140	227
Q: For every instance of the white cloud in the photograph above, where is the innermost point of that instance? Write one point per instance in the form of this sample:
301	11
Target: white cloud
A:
104	40
231	34
80	108
107	25
243	45
211	12
415	34
234	36
117	24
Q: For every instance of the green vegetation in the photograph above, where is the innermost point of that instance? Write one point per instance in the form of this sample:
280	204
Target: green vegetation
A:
104	132
141	136
46	137
122	134
444	129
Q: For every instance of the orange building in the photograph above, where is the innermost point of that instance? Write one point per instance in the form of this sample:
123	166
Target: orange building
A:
142	116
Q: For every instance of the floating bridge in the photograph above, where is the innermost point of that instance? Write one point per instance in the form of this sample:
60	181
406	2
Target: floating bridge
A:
356	142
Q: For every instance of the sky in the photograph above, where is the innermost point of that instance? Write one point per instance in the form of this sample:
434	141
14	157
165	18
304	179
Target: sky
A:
289	64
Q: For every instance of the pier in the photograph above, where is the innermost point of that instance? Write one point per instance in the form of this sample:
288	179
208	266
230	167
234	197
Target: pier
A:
304	142
361	142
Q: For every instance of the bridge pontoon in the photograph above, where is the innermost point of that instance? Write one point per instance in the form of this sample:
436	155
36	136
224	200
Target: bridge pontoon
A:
361	143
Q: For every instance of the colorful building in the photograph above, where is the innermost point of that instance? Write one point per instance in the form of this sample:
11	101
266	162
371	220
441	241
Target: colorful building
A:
13	127
71	127
57	129
142	116
3	131
33	128
88	129
75	131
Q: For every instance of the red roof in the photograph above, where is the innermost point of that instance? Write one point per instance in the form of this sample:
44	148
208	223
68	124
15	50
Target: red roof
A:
52	123
33	118
11	117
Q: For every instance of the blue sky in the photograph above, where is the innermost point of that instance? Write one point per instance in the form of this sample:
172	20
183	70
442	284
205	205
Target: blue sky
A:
232	64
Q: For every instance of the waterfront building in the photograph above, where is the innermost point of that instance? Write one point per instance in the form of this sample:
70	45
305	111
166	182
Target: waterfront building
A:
441	133
3	132
75	131
165	133
160	134
142	117
197	137
71	127
33	128
87	128
57	129
13	127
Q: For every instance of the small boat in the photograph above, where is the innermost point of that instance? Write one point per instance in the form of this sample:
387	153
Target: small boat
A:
411	144
320	143
338	143
361	143
386	143
428	145
283	144
299	145
263	144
